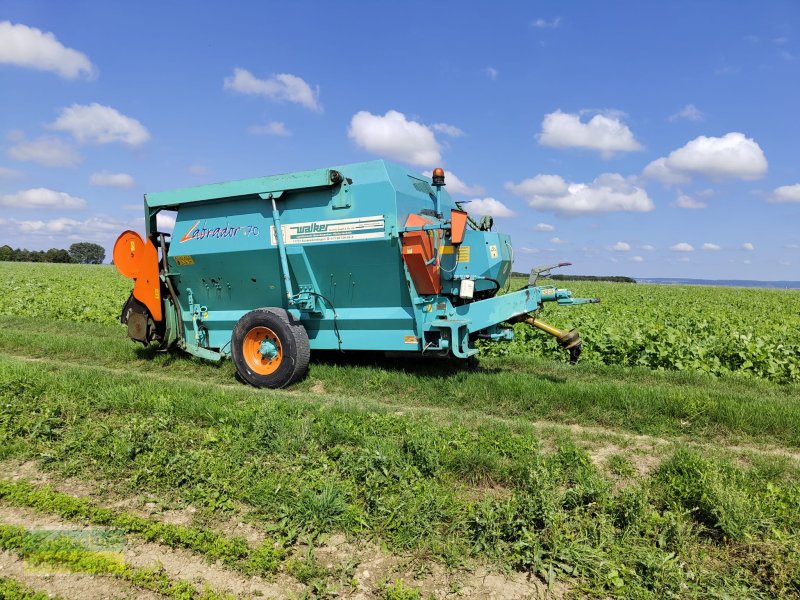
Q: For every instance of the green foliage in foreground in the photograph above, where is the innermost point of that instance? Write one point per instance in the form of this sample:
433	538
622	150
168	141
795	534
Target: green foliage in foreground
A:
13	590
744	331
747	332
684	404
233	552
43	550
81	293
400	591
698	526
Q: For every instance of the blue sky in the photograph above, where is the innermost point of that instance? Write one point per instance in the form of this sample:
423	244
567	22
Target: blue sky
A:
631	138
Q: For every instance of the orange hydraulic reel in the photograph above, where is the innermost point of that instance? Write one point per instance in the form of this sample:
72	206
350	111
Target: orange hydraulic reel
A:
137	259
143	313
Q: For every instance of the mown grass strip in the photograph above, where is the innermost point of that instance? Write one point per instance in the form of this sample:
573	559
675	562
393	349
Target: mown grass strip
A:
641	401
62	551
416	483
10	589
232	551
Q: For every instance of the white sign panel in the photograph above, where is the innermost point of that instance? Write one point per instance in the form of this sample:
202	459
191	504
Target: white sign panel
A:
334	230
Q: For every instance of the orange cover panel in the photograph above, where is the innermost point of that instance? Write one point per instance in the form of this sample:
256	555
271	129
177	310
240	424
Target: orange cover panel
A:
137	259
418	248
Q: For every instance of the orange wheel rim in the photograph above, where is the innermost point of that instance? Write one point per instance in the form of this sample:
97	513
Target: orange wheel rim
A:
262	350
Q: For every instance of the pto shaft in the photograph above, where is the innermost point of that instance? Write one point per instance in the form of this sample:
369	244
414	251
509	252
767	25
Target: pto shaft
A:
569	340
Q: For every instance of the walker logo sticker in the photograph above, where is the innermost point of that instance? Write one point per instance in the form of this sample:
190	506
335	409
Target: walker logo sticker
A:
198	232
335	230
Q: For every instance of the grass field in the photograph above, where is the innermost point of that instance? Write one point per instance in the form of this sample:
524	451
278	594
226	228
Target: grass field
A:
401	479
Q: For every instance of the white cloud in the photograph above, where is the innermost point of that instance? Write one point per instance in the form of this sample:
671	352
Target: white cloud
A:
621	247
99	124
689	112
491	73
488	206
394	136
636	259
446	129
610	192
541	185
272	128
659	170
106	179
283	87
558	241
682	247
42	198
544	227
33	48
527	250
197	170
606	134
59	225
648	247
96	229
6	174
541	23
685	201
786	193
710	246
748	246
456	186
732	156
46	150
684	259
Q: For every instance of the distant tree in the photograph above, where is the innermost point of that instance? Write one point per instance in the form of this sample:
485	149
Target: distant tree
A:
7	253
87	253
612	278
57	255
560	277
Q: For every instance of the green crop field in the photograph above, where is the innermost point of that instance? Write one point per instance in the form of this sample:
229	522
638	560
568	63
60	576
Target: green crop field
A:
747	332
665	464
718	330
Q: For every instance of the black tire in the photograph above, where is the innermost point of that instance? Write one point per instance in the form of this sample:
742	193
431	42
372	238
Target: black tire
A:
293	342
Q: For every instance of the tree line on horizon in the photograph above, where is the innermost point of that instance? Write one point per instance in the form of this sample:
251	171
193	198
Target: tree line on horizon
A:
611	278
85	253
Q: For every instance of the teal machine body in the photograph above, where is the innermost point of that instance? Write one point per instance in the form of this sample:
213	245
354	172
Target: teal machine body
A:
365	256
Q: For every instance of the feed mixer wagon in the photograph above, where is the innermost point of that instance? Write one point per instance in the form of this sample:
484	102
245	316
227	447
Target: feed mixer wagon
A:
366	256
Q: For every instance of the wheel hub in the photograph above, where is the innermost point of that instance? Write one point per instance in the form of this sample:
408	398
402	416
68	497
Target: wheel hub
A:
268	349
262	350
